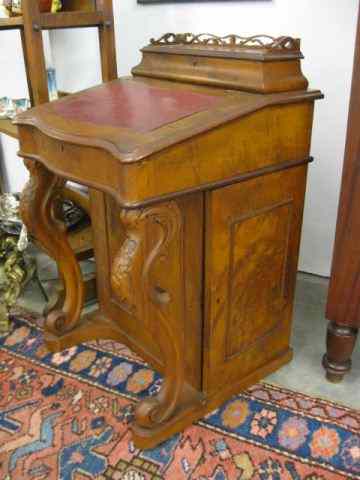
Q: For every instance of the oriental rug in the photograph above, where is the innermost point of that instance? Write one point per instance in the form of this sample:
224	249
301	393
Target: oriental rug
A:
67	416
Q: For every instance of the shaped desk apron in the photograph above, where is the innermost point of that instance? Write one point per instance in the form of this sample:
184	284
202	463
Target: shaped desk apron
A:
196	207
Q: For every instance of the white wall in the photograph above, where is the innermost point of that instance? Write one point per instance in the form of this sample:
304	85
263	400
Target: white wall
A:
12	84
327	29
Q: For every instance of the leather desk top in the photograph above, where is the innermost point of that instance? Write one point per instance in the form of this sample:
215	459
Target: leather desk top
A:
133	118
134	105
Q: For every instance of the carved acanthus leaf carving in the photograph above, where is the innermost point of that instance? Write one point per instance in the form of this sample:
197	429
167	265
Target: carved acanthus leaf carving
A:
123	273
255	41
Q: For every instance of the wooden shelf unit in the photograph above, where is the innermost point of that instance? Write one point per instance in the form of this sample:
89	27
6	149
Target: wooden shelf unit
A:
51	21
76	14
10	23
7	127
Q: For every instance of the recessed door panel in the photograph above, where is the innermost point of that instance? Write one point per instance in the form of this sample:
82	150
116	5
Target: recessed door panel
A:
253	233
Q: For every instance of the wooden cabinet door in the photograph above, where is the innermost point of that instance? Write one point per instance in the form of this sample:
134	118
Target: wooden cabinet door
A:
252	242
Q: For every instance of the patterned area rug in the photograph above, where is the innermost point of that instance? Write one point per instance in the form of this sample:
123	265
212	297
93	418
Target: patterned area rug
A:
66	416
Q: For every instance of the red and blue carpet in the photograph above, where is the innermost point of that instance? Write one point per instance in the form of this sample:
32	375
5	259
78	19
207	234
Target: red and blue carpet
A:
66	416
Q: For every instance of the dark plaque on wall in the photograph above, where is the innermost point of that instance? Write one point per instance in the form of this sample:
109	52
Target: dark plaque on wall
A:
186	1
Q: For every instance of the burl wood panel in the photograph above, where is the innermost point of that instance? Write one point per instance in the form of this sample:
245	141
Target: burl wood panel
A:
257	275
253	234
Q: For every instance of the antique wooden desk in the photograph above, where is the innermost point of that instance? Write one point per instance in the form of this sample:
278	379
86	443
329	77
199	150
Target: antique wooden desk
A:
197	169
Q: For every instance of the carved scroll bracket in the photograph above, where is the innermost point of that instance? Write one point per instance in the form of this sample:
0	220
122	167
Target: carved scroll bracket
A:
148	278
39	209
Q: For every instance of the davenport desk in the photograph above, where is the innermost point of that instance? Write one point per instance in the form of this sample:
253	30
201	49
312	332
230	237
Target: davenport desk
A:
196	167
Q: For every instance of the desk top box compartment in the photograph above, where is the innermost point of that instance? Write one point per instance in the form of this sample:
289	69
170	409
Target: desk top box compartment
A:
260	64
197	171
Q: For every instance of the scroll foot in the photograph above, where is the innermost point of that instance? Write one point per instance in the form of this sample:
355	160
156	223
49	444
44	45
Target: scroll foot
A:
190	407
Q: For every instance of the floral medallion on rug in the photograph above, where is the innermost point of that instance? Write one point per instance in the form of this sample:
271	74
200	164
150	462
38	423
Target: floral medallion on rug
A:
68	416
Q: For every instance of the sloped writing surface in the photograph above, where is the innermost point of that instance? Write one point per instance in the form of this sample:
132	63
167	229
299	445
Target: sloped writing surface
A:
134	105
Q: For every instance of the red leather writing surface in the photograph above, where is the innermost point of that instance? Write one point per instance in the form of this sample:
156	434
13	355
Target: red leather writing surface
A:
134	105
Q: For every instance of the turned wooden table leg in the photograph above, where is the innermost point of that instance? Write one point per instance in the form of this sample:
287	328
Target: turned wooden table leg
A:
340	342
38	207
148	278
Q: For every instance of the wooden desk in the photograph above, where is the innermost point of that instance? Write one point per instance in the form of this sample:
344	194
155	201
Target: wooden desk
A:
197	169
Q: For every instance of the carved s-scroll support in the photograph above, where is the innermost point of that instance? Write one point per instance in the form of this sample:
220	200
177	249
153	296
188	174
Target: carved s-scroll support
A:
38	207
148	278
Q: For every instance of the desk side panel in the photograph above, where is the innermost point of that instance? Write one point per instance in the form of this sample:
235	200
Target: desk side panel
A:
253	235
265	139
140	325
